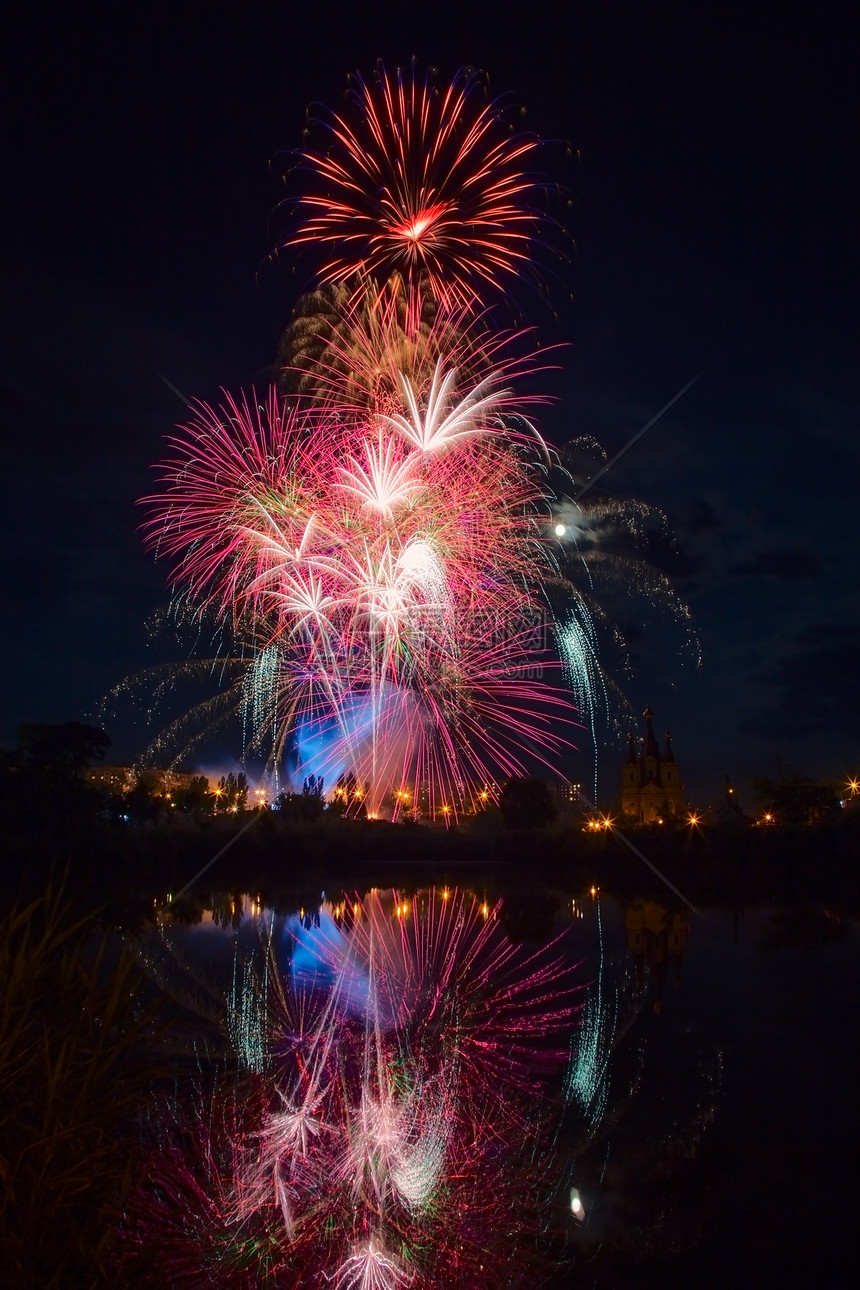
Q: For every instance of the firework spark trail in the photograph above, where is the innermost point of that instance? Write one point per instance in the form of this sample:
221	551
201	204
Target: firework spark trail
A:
371	1267
382	1141
438	954
392	565
590	565
577	642
350	351
435	427
429	185
587	1077
377	544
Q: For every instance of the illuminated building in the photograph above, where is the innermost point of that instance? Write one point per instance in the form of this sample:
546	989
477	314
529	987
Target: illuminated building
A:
122	779
651	788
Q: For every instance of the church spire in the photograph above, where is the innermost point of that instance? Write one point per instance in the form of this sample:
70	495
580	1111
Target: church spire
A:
650	743
651	788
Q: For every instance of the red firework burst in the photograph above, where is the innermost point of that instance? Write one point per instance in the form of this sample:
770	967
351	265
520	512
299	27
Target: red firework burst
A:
426	183
377	545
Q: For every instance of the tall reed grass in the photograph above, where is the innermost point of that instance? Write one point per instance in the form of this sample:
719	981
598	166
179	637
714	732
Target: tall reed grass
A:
74	1077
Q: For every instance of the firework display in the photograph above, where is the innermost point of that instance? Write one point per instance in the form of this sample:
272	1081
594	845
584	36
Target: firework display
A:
400	589
420	180
388	1126
376	541
388	1091
388	572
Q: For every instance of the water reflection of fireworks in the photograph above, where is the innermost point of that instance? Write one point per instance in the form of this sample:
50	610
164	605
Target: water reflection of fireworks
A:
407	1093
388	1124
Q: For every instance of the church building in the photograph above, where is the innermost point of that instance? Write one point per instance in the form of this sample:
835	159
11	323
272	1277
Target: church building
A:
651	787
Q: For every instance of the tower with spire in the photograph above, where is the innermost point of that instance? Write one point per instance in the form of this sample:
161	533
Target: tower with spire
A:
651	788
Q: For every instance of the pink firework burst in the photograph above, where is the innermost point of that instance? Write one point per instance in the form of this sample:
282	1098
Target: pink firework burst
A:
428	183
377	540
386	566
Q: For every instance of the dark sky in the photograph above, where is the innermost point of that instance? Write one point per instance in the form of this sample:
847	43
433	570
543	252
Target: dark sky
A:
715	231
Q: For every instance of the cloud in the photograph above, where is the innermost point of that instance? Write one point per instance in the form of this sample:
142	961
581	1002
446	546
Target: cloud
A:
667	555
787	564
697	516
816	687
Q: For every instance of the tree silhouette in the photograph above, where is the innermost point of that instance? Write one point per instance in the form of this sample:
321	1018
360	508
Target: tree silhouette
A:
62	752
233	792
527	804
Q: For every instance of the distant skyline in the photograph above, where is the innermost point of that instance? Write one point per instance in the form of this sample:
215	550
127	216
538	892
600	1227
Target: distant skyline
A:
712	230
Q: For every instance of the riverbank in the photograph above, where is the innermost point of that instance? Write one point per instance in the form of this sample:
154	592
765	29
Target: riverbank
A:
290	863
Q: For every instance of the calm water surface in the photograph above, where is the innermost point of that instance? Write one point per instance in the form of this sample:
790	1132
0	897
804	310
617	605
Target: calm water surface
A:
739	1150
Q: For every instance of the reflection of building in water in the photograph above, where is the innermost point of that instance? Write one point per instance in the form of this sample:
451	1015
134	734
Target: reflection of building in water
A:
651	785
655	935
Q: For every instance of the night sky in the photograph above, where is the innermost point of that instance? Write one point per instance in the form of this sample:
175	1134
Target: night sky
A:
713	230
